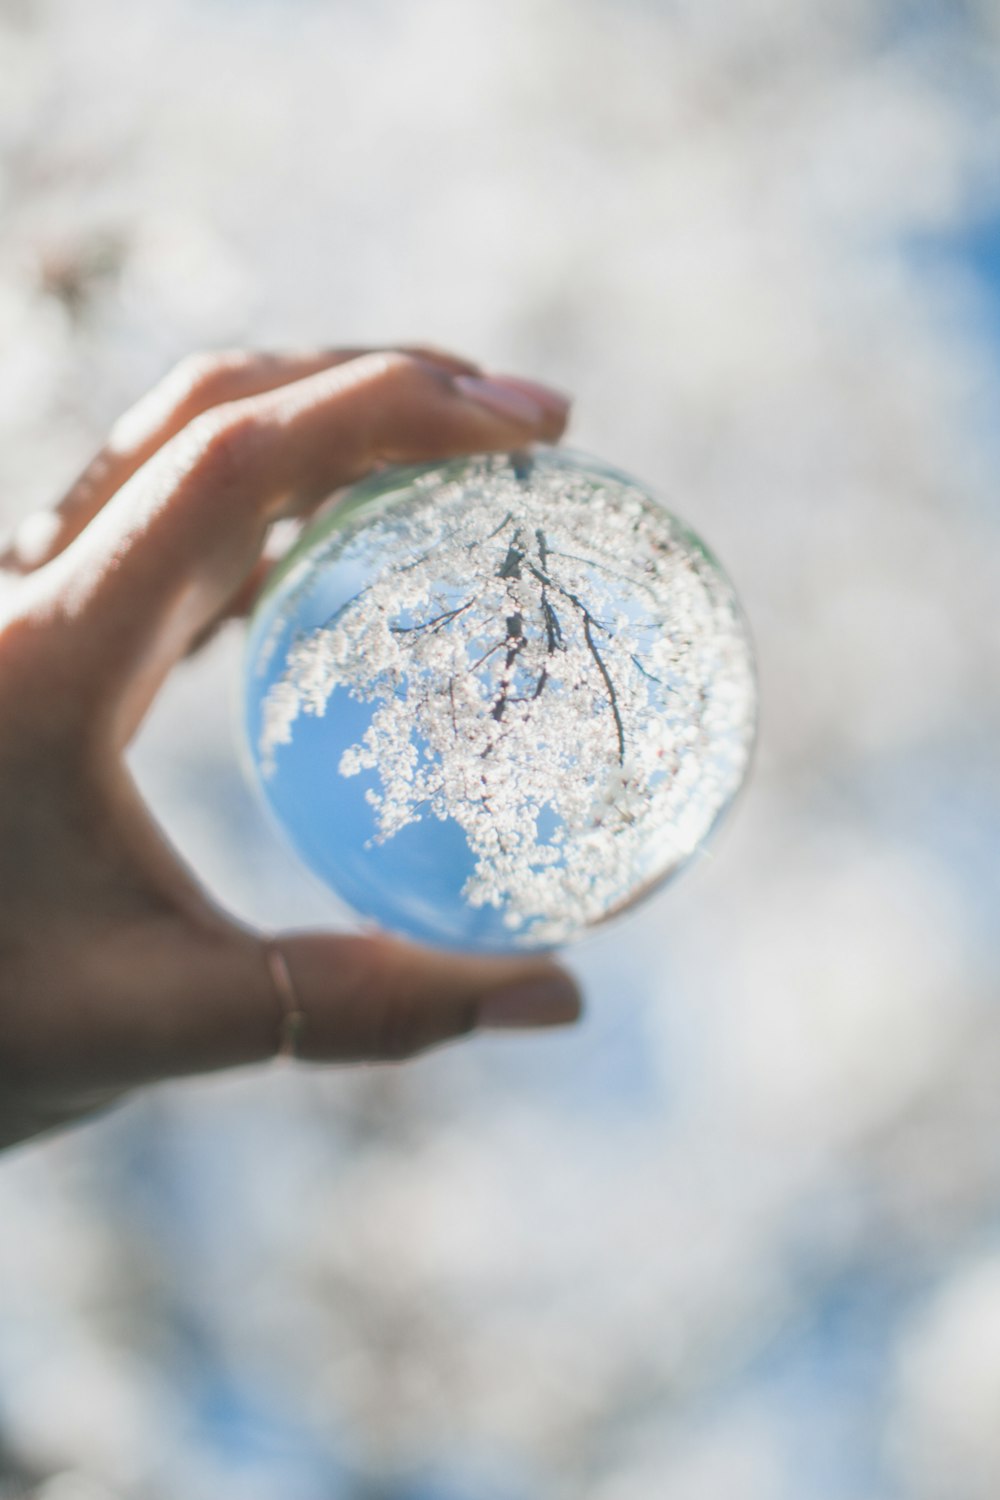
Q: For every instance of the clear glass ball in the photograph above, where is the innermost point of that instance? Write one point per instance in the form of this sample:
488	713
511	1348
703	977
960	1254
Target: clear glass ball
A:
494	701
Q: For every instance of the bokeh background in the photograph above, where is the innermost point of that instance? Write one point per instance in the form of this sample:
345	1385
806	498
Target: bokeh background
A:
739	1236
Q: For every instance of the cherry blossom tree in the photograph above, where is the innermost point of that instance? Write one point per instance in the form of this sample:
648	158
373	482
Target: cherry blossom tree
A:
553	662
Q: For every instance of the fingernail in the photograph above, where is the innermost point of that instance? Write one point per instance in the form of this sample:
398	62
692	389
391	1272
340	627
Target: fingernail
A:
501	398
535	1002
550	400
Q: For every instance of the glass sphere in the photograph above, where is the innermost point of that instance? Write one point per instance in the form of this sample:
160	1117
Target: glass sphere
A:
494	701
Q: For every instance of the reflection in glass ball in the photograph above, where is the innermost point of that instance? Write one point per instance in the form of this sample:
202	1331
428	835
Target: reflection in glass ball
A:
496	700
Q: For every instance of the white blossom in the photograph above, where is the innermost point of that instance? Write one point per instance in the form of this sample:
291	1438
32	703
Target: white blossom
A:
553	662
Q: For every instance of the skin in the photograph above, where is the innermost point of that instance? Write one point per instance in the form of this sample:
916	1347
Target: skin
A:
116	968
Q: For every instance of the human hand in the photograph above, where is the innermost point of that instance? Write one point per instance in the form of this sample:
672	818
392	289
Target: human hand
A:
116	969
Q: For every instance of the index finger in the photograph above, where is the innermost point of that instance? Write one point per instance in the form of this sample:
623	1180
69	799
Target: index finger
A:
128	596
195	385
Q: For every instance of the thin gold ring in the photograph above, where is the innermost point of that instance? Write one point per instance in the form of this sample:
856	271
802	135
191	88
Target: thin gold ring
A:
293	1017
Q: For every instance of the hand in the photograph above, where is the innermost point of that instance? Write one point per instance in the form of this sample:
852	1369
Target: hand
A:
115	967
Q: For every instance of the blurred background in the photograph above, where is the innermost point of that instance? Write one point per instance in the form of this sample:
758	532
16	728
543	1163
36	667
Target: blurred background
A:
739	1236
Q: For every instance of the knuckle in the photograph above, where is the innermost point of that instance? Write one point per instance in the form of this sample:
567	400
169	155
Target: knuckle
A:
399	371
204	379
399	391
223	444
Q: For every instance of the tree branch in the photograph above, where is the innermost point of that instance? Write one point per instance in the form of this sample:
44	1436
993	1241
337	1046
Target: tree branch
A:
612	695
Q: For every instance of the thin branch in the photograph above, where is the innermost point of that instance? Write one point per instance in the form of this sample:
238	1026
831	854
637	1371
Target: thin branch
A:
592	562
609	685
436	624
648	675
495	532
487	654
